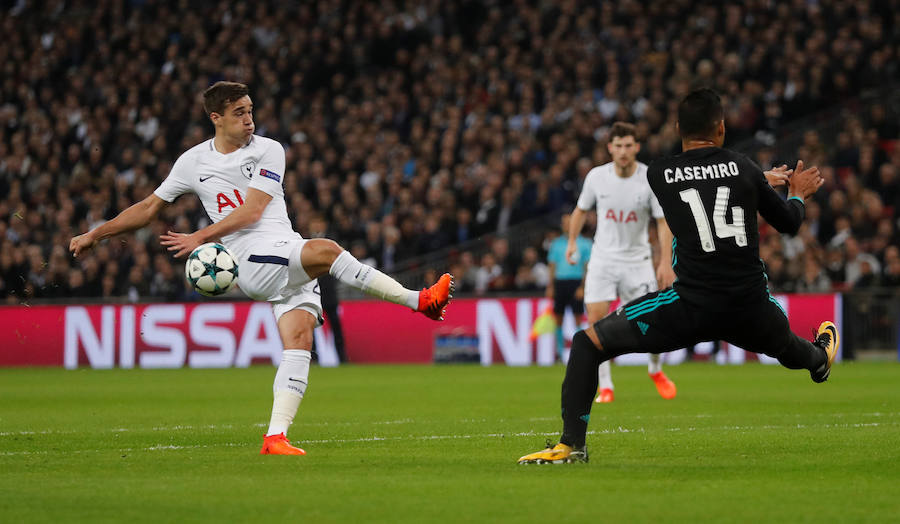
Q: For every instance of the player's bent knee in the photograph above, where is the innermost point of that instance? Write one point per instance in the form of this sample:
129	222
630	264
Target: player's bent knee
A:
321	250
318	254
591	333
583	340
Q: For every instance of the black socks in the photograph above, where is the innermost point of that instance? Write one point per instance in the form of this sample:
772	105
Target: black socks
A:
578	389
802	354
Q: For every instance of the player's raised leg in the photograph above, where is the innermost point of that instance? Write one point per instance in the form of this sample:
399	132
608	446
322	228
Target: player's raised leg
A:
320	256
777	340
817	355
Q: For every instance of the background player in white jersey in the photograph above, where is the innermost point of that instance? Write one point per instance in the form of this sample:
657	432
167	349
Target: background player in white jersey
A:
238	177
621	263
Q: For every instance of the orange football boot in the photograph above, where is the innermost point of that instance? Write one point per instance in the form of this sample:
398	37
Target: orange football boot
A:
433	301
665	386
604	396
279	445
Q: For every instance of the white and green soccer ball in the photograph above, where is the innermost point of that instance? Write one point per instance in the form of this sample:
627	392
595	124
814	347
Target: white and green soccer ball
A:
211	269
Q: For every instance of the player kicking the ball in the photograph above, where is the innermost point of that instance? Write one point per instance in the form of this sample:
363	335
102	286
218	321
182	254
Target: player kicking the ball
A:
710	197
238	177
621	264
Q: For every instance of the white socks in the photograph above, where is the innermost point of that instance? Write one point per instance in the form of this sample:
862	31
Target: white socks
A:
654	364
371	281
289	388
605	376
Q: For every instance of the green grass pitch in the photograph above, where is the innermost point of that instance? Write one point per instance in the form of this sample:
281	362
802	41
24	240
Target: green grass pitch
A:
748	443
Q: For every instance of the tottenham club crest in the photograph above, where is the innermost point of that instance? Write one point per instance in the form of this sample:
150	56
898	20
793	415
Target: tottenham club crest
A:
247	168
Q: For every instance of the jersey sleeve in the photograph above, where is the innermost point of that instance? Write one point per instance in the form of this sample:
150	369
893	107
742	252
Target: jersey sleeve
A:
269	174
785	216
178	181
587	199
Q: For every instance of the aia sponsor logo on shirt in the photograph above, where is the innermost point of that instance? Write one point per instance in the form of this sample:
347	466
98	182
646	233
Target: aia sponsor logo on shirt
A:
223	200
620	217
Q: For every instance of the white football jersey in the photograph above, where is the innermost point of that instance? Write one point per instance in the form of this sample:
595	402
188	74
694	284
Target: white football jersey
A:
221	181
624	207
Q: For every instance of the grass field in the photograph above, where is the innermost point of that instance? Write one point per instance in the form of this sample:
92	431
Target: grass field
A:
746	443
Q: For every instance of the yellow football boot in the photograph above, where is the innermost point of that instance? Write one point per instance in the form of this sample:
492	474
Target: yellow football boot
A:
827	338
558	454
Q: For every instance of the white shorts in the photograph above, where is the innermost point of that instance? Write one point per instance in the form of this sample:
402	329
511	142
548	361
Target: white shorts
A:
607	280
272	272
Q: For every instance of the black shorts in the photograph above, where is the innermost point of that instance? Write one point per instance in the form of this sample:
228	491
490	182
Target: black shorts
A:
564	295
661	321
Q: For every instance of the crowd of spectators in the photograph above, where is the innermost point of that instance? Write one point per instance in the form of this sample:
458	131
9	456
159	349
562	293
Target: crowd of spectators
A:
413	126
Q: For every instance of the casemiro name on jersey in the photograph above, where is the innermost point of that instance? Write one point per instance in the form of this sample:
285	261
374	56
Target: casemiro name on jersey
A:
710	172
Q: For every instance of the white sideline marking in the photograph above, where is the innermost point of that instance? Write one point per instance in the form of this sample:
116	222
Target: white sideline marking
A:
619	429
182	427
216	427
401	421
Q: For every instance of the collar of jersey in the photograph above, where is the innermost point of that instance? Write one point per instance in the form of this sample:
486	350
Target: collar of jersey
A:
212	146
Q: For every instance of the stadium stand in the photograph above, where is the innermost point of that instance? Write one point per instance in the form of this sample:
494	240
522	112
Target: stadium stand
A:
461	128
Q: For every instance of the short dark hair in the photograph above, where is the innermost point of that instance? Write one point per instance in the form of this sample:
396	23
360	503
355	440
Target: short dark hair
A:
222	93
700	113
622	129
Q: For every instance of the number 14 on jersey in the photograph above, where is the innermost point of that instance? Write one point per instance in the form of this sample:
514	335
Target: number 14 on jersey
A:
724	230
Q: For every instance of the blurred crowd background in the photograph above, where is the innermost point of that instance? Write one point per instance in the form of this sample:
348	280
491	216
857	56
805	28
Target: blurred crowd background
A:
414	127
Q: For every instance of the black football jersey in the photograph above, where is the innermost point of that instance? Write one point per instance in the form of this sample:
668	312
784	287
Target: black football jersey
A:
710	198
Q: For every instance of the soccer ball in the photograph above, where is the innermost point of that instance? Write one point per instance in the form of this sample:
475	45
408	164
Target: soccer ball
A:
211	269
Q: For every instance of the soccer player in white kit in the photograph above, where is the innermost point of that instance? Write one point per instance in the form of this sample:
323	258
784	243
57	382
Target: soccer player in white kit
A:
238	177
621	263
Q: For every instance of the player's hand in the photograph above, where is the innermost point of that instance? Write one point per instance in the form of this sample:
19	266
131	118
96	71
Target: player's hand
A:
778	176
665	275
81	244
805	182
181	243
549	292
570	253
579	293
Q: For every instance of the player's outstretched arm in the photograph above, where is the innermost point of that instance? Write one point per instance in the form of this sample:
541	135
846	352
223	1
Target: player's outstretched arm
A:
576	222
247	213
786	216
135	217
